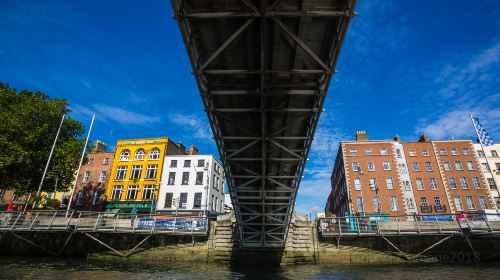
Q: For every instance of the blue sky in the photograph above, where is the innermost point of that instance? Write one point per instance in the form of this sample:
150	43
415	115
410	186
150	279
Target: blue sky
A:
406	67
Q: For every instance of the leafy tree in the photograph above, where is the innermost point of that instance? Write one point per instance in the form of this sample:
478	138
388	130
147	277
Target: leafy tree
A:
28	126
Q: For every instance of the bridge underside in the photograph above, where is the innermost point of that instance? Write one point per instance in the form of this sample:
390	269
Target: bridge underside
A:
263	70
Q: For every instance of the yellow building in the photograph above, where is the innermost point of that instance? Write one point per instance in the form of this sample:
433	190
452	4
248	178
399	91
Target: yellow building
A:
136	173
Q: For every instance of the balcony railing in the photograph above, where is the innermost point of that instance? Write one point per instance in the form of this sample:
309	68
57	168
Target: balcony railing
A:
426	208
440	208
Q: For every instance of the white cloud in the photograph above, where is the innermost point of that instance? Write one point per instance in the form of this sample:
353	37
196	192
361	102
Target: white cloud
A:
108	114
123	116
456	123
193	124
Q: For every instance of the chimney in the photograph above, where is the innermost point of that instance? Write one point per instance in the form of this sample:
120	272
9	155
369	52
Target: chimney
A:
182	148
361	135
397	138
99	147
423	138
193	150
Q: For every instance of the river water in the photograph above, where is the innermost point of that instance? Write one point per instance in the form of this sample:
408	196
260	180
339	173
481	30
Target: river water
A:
50	268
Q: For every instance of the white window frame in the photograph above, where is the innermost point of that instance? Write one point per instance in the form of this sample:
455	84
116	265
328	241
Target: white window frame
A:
433	184
425	152
458	203
355	166
465	151
154	153
458	165
353	152
483	203
116	192
368	152
132	192
463	183
428	166
136	172
476	183
470	202
454	151
420	186
357	184
151	171
412	153
387	165
470	165
453	183
383	151
86	177
371	166
125	155
121	172
148	192
171	178
415	166
447	165
443	152
140	154
102	176
393	200
390	183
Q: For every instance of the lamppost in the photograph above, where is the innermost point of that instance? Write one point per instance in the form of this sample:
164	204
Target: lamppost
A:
374	187
55	184
153	198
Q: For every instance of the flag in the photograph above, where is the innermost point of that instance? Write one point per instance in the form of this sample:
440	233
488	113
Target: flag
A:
484	137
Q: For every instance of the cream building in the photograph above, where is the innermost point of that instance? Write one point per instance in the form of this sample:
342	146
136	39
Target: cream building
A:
492	170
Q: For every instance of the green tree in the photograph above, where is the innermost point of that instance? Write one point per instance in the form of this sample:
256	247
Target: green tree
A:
28	126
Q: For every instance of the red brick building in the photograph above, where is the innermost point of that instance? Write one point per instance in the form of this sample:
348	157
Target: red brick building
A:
395	178
92	182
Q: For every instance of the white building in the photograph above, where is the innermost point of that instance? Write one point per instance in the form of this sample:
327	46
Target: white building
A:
191	184
491	171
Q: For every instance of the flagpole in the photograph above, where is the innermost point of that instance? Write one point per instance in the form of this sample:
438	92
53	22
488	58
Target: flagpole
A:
47	164
80	165
486	158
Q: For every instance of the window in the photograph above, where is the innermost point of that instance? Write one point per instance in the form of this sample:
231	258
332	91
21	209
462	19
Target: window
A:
458	203
497	165
199	178
412	152
116	192
494	153
187	163
424	202
197	200
398	152
491	183
458	165
139	154
387	165
476	183
357	184
215	205
438	205
147	192
416	166
201	163
105	161
173	163
470	165
453	183
453	151
376	204
132	192
185	178
480	153
171	178
470	202
425	152
96	198
486	167
151	171
183	199
121	172
86	177
154	153
403	168
394	203
373	183
428	166
420	184
353	152
361	205
212	203
389	182
368	152
447	165
355	166
465	151
463	183
2	193
407	185
79	198
168	200
383	151
482	202
136	172
433	183
371	166
91	161
102	177
442	152
410	202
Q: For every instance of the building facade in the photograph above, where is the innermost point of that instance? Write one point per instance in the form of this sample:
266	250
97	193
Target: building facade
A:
136	173
92	182
191	184
491	168
406	178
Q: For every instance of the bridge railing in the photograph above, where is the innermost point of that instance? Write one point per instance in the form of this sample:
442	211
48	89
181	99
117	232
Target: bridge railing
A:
102	222
472	223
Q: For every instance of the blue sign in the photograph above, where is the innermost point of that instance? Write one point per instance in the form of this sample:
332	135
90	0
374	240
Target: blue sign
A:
174	223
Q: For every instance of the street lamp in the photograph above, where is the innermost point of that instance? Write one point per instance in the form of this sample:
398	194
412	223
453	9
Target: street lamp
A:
374	187
153	198
361	191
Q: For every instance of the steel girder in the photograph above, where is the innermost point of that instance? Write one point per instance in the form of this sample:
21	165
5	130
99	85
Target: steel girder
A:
263	68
